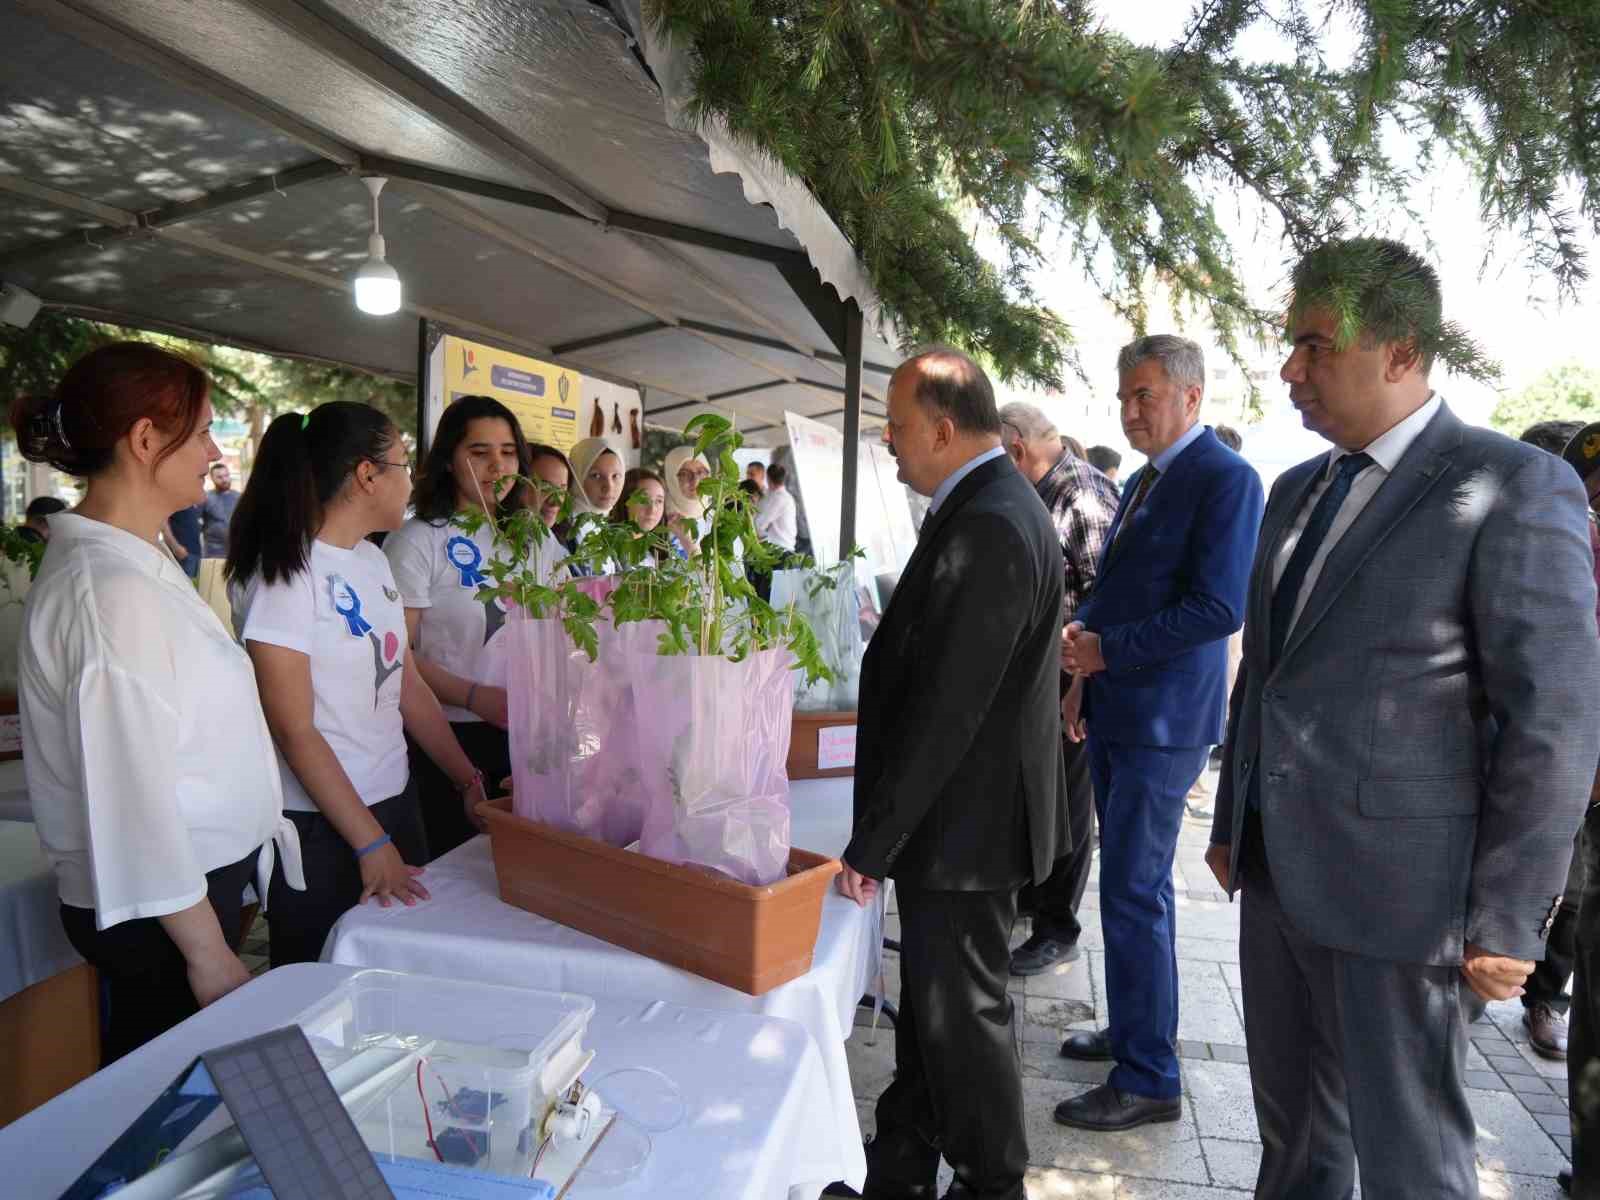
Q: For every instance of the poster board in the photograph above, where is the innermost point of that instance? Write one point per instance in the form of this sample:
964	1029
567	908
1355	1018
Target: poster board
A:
883	515
554	405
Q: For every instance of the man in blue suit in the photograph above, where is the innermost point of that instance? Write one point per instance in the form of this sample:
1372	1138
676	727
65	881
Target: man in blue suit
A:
1149	651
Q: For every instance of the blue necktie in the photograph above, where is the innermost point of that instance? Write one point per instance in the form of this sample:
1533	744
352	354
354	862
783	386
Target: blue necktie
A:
1287	594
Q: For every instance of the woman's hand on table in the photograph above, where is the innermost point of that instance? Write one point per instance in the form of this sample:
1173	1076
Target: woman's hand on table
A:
386	875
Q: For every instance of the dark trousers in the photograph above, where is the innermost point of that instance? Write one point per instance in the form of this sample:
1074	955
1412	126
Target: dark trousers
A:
1138	796
144	977
1054	903
957	1086
444	815
1547	985
1583	1034
1351	1058
301	921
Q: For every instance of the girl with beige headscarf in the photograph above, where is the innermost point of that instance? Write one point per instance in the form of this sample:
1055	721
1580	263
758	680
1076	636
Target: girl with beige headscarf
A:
598	467
599	478
683	471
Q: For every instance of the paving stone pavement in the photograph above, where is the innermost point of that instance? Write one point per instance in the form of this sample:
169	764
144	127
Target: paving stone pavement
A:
1519	1099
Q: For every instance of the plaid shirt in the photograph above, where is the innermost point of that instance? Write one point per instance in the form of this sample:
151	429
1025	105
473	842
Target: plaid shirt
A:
1082	503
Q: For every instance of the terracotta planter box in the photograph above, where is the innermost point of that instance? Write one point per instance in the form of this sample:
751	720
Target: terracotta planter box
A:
749	938
806	745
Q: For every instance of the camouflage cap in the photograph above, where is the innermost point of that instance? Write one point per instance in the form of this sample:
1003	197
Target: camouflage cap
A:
1583	451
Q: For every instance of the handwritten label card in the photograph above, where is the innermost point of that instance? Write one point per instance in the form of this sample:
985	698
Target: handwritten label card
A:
836	747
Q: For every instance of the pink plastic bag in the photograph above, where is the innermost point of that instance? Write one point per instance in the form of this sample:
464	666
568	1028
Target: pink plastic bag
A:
573	757
713	740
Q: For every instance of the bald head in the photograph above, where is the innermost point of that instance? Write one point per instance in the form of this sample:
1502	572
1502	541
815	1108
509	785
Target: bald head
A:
952	385
941	415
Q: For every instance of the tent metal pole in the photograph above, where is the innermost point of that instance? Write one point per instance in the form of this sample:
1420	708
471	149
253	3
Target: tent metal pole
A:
852	427
424	434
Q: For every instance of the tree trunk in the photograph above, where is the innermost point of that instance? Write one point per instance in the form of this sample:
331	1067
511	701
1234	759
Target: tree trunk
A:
257	419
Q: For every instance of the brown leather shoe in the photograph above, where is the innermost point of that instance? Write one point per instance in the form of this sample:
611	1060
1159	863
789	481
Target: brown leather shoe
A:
1547	1031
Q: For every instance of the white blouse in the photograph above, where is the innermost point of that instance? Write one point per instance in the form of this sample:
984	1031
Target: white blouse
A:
148	759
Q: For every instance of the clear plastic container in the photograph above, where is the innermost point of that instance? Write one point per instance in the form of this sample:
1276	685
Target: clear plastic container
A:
446	1071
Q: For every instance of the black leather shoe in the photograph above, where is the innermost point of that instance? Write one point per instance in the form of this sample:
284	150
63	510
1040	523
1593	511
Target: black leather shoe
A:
1108	1110
1088	1046
1040	953
960	1191
1564	1181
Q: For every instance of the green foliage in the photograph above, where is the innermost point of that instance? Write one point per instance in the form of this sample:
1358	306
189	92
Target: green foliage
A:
657	443
1566	393
24	552
706	604
32	361
1378	291
288	384
902	116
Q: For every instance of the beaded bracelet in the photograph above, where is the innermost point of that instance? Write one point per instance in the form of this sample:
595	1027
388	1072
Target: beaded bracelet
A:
475	777
376	845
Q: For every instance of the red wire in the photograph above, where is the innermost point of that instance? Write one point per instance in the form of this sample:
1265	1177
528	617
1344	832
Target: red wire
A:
425	1115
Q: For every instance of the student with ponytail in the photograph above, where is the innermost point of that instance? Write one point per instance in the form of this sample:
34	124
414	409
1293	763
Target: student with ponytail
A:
321	617
149	764
476	455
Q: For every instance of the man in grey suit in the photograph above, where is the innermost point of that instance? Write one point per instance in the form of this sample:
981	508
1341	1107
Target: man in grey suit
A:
1412	738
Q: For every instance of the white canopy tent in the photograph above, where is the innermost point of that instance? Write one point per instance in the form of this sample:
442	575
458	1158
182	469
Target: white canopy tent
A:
194	168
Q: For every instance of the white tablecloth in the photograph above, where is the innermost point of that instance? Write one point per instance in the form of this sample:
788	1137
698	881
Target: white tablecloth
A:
466	932
14	805
746	1133
33	946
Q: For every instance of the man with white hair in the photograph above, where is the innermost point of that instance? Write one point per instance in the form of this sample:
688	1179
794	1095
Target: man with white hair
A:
1082	504
1150	650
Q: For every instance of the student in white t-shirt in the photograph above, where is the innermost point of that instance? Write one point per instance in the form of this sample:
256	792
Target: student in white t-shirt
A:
477	450
323	622
149	765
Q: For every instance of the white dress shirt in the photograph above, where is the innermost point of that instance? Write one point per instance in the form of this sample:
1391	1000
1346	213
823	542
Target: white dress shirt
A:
148	759
1386	452
776	520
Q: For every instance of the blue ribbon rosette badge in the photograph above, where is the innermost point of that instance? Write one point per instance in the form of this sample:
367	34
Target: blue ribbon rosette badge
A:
465	557
348	605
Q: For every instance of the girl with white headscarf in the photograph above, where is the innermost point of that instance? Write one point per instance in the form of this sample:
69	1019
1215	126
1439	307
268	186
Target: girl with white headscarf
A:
598	467
683	472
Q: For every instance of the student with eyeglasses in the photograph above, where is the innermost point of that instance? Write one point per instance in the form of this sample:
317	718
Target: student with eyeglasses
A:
319	612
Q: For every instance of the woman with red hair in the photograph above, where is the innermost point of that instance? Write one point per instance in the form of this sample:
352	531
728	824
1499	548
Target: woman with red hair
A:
150	767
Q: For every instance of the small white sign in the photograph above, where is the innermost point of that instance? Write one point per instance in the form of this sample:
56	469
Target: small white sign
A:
11	735
836	747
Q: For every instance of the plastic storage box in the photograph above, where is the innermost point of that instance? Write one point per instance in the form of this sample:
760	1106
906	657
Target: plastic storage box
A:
446	1071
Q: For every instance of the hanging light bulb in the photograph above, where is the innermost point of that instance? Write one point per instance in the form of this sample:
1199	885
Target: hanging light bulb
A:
377	283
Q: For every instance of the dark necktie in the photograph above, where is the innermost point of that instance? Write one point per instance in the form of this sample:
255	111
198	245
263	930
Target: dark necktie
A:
1287	594
1147	480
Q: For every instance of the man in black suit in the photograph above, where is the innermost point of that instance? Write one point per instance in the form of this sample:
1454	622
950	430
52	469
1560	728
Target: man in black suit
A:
960	793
